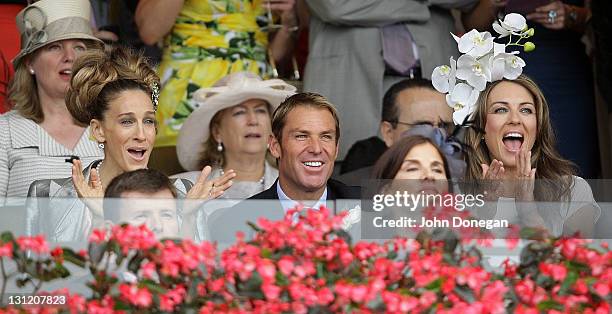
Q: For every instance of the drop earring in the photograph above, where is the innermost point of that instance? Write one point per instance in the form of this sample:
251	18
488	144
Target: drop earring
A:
219	147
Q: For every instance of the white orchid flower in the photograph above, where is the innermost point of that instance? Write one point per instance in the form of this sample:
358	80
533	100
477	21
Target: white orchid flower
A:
513	23
475	71
475	43
513	66
443	77
463	101
506	65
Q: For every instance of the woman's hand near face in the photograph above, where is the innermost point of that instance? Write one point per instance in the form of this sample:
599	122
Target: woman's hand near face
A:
524	185
210	189
492	176
89	191
525	176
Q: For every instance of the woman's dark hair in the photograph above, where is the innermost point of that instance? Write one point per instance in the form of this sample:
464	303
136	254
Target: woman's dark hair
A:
391	161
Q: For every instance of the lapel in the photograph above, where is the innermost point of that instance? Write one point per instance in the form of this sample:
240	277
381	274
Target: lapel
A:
26	133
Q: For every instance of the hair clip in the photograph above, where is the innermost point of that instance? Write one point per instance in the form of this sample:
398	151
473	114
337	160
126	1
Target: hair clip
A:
155	95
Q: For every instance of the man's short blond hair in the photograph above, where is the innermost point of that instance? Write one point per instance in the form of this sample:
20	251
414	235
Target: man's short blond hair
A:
312	100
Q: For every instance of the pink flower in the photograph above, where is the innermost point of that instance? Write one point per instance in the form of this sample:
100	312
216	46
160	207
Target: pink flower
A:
602	289
76	303
358	293
6	250
37	244
286	265
325	296
427	299
136	296
557	272
148	270
267	270
272	292
169	300
98	236
58	254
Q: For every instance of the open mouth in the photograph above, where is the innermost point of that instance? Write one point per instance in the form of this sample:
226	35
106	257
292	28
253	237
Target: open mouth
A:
313	164
513	141
65	73
137	153
253	135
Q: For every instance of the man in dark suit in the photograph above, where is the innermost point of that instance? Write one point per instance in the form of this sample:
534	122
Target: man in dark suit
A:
306	132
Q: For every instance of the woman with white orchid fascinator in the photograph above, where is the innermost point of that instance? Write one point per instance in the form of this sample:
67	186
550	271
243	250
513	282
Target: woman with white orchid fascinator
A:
512	134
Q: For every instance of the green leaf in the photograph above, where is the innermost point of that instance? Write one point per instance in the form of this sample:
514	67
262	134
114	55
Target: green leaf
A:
134	263
434	285
266	253
281	279
549	305
7	237
74	258
153	286
254	226
61	271
569	281
465	293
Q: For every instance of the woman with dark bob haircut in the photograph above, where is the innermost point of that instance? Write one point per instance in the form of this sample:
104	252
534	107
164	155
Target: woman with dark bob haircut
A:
415	157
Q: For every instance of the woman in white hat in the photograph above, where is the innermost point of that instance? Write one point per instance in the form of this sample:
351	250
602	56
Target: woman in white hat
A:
39	133
230	130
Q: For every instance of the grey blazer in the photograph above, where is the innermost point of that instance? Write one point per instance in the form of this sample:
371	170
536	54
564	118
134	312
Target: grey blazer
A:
345	62
54	209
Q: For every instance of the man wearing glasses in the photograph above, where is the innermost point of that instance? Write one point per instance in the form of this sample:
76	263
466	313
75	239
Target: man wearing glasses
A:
406	104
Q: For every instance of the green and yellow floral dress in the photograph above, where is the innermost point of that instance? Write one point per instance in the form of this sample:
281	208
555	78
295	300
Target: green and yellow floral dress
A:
209	40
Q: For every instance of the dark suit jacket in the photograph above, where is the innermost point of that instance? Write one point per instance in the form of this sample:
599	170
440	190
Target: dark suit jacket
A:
363	153
356	177
335	190
223	223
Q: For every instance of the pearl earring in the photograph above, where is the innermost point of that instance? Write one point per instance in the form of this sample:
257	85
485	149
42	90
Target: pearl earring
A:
31	71
219	147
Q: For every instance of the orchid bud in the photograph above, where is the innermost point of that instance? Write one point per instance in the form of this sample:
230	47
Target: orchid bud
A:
529	46
530	32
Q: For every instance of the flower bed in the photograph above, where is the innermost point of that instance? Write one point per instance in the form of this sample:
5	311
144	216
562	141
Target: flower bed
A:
311	267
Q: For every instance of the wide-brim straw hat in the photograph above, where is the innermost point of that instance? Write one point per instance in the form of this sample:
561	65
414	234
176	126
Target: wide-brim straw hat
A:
47	21
230	91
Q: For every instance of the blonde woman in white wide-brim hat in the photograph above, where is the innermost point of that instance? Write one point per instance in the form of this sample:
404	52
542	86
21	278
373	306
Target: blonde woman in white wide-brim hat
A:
230	130
39	133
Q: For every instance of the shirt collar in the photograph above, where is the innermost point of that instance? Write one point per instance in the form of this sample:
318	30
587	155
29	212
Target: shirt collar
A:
26	133
288	203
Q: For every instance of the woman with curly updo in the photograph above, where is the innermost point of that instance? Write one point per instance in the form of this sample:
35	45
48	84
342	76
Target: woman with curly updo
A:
116	96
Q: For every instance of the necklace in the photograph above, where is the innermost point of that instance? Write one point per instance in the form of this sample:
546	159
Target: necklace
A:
261	181
98	166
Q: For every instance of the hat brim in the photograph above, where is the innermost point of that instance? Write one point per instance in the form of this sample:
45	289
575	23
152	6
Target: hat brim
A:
82	36
195	130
